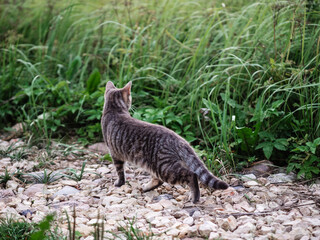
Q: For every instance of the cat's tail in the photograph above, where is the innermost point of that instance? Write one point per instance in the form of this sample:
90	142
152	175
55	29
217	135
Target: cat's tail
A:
206	177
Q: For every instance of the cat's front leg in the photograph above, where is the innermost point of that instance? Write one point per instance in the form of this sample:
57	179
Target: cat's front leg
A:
120	171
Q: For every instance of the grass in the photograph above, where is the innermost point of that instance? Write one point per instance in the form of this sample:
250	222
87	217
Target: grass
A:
17	230
238	80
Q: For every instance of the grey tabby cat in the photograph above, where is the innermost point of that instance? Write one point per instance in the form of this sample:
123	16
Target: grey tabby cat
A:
163	153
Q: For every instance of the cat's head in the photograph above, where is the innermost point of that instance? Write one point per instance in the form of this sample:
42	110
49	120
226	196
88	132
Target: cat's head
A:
117	99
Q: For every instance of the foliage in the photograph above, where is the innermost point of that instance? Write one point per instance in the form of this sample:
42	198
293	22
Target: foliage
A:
236	79
15	229
306	159
19	229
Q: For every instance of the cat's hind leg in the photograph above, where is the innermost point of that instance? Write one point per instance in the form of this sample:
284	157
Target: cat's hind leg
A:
153	184
120	171
177	173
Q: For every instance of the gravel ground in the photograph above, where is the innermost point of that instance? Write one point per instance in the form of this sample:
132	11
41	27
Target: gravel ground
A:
254	208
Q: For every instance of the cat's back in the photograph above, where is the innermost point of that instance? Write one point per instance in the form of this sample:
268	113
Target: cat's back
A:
134	135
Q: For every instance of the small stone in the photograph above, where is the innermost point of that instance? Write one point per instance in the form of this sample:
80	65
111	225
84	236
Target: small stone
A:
207	227
251	184
67	190
316	233
155	206
224	224
245	228
180	214
33	189
173	232
260	207
96	221
160	222
12	184
111	199
266	229
69	182
162	196
248	177
214	236
166	203
305	238
103	170
244	205
297	233
6	193
85	230
281	177
232	223
197	214
152	215
188	220
313	221
305	211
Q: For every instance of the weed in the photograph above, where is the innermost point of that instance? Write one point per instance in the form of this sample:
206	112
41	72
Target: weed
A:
131	232
73	234
306	159
99	228
5	177
15	229
45	177
75	175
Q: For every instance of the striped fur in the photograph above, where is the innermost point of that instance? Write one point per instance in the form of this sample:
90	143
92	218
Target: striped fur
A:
163	153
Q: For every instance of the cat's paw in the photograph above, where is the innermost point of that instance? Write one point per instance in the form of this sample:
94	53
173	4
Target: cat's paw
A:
119	183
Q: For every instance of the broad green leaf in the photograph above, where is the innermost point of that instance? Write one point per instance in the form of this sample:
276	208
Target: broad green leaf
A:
279	146
266	135
317	141
93	81
248	138
314	170
301	149
312	147
264	144
282	141
267	150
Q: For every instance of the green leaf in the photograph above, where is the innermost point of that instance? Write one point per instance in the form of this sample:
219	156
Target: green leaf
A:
264	144
267	150
266	135
74	67
314	170
277	103
248	138
282	141
312	147
93	81
279	146
317	141
302	149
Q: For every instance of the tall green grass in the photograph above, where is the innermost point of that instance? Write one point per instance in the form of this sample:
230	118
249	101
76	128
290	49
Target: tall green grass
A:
227	76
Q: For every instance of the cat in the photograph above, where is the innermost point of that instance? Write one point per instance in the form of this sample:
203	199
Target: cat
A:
167	156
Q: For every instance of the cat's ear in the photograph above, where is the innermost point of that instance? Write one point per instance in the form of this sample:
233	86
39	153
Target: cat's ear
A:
126	92
127	88
110	85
